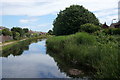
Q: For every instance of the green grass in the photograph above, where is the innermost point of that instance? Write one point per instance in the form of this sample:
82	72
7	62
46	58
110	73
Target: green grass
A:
100	52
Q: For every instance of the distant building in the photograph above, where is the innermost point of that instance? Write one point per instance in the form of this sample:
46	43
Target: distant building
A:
115	25
36	33
41	33
31	31
105	25
4	38
1	27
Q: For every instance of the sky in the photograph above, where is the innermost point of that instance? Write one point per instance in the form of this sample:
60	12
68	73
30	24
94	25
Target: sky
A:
38	15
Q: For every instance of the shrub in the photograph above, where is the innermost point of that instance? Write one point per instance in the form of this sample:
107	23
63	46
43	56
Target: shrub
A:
116	31
84	38
90	28
112	31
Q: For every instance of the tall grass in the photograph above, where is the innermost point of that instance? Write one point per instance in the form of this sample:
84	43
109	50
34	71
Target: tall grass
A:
99	52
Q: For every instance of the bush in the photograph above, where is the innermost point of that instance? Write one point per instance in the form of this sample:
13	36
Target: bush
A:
112	31
90	28
84	38
116	31
27	34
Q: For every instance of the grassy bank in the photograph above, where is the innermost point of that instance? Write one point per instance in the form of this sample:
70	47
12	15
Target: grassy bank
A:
17	41
98	51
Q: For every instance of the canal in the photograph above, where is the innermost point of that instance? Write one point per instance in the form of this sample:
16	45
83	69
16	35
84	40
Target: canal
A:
30	61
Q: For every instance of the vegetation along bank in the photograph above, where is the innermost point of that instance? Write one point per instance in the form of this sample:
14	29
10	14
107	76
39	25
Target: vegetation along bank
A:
82	40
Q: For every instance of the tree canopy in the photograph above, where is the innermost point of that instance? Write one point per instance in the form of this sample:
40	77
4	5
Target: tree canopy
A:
69	20
6	32
25	30
16	35
19	30
50	32
89	28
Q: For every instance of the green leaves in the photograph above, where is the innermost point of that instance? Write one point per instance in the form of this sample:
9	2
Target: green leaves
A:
16	35
6	32
89	28
19	30
69	20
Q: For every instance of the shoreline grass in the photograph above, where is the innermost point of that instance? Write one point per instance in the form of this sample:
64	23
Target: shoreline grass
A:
100	52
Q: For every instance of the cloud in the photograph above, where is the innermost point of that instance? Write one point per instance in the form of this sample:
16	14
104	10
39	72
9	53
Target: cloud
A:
24	21
28	20
41	27
44	7
101	8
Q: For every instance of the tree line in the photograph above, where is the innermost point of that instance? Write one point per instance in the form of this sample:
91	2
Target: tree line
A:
16	32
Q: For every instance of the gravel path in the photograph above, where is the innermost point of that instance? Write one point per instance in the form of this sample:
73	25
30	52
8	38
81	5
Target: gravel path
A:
4	44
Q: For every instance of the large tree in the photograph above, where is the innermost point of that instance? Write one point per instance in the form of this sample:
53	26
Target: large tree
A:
19	30
50	32
69	20
16	35
6	32
25	30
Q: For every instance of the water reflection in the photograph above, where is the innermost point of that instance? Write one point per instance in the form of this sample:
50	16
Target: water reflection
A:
0	68
32	62
72	70
17	49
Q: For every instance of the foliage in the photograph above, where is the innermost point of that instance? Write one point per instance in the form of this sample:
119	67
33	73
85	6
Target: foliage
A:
69	20
50	32
112	31
28	34
6	32
35	35
19	30
90	28
16	35
0	32
25	30
98	51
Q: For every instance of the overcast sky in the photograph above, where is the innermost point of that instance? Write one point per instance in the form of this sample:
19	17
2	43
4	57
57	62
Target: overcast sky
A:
39	14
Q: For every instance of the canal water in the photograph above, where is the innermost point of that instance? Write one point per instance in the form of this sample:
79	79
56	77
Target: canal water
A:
30	62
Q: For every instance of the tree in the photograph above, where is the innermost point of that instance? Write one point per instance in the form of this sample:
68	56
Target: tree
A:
6	32
25	30
35	34
69	20
89	28
50	32
16	35
0	32
19	30
27	34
